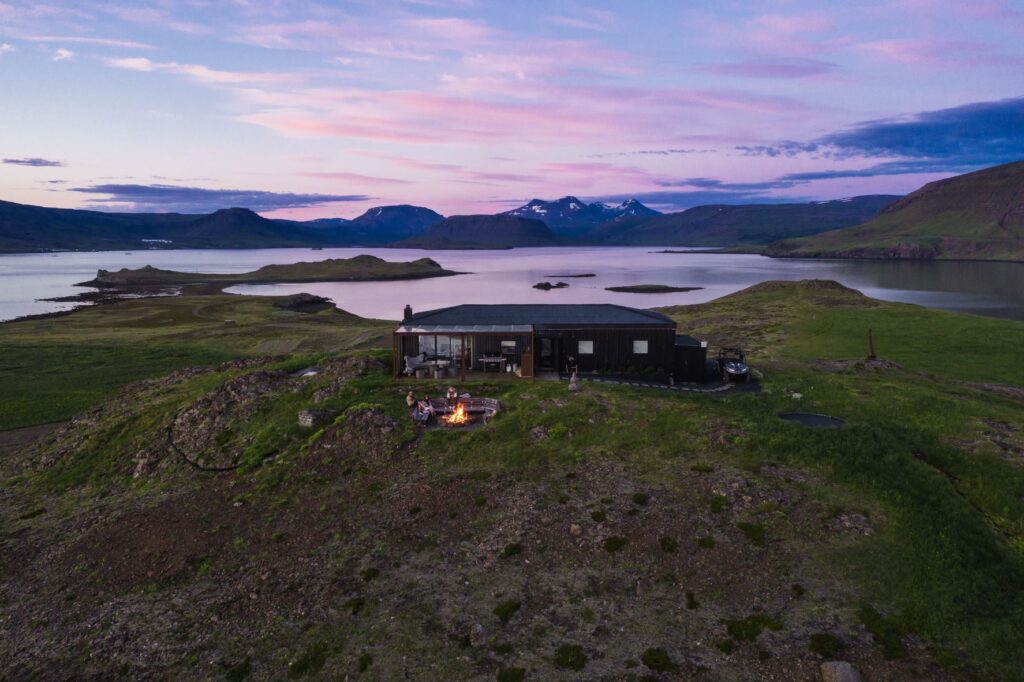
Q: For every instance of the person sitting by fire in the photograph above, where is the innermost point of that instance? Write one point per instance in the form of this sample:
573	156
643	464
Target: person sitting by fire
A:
423	410
452	397
410	399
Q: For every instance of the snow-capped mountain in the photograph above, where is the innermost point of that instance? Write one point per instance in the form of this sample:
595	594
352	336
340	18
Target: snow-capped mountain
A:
572	217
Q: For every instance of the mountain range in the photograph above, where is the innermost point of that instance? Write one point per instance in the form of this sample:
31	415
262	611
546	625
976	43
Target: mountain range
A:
976	216
565	221
571	217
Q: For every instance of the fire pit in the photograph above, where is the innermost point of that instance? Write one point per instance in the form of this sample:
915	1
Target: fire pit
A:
460	416
468	413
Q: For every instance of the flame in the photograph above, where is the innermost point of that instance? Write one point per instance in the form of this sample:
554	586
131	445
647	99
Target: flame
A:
457	417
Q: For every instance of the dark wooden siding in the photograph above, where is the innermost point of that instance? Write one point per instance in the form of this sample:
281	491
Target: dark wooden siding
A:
613	349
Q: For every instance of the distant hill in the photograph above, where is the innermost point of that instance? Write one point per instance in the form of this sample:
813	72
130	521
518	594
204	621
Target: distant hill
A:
572	217
740	225
385	224
26	228
484	231
977	216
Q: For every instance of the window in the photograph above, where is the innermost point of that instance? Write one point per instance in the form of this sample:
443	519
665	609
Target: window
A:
639	346
586	348
508	347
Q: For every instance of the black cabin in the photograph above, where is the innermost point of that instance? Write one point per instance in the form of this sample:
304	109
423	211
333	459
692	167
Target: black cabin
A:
528	339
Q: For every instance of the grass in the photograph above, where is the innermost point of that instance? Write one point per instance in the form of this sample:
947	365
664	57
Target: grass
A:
506	609
748	629
615	544
825	644
945	561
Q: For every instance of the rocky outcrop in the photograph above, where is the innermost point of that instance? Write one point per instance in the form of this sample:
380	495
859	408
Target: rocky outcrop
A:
839	671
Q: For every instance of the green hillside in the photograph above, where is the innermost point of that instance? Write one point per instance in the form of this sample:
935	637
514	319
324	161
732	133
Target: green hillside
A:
184	525
977	216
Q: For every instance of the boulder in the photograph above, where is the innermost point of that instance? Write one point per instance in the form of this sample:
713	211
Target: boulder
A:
839	671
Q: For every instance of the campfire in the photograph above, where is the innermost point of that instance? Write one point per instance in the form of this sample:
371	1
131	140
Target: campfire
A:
457	417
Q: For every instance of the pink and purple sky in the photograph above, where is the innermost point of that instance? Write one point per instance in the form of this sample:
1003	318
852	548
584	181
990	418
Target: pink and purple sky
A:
322	109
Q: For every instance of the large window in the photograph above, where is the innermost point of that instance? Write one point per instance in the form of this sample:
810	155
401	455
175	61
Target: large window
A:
508	347
586	348
639	346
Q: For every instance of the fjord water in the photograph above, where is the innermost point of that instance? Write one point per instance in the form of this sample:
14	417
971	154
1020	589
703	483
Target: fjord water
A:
993	289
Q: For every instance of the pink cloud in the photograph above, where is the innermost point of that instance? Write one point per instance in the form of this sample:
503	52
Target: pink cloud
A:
353	177
199	72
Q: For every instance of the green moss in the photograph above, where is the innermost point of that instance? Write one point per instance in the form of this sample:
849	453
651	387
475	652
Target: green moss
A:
726	646
747	629
506	609
706	541
691	601
754	531
640	498
825	644
658	660
364	662
355	605
599	516
668	544
798	590
702	468
615	544
570	657
370	573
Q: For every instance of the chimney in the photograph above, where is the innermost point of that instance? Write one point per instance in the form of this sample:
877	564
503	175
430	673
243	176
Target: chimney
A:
407	313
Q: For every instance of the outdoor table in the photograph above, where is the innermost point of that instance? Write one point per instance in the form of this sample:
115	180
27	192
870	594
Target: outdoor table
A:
496	360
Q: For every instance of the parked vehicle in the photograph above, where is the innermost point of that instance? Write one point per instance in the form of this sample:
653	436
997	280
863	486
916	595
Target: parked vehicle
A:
732	365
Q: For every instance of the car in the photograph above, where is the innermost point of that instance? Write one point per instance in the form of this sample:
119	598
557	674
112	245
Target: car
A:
732	365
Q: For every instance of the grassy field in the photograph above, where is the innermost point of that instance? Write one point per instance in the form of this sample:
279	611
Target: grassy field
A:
711	537
53	368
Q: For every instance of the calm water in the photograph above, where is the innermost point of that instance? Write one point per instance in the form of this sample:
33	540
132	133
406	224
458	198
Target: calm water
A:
995	289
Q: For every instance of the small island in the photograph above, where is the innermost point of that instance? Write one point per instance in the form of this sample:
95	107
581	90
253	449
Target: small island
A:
650	289
548	286
356	269
585	274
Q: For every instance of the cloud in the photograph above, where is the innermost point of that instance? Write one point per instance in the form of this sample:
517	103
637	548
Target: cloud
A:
650	152
5	48
957	139
177	198
199	72
35	162
353	177
587	18
62	55
87	40
731	187
792	67
679	200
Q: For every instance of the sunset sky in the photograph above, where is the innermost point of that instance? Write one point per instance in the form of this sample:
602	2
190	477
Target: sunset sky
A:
303	109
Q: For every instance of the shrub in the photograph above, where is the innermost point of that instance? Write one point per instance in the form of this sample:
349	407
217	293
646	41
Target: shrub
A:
691	601
511	674
511	550
239	672
355	605
888	635
798	590
570	657
747	629
370	573
702	468
615	544
718	503
658	660
599	515
364	663
825	644
309	661
726	646
640	498
754	531
506	609
415	510
668	544
706	541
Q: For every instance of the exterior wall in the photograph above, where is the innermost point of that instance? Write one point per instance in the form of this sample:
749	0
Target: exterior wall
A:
691	363
613	349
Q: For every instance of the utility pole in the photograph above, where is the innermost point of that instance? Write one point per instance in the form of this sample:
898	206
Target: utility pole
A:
871	345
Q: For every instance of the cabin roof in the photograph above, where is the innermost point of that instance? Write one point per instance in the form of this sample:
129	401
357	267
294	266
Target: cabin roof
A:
539	316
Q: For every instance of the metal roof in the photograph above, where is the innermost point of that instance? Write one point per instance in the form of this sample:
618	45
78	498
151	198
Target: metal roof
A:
539	316
416	328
